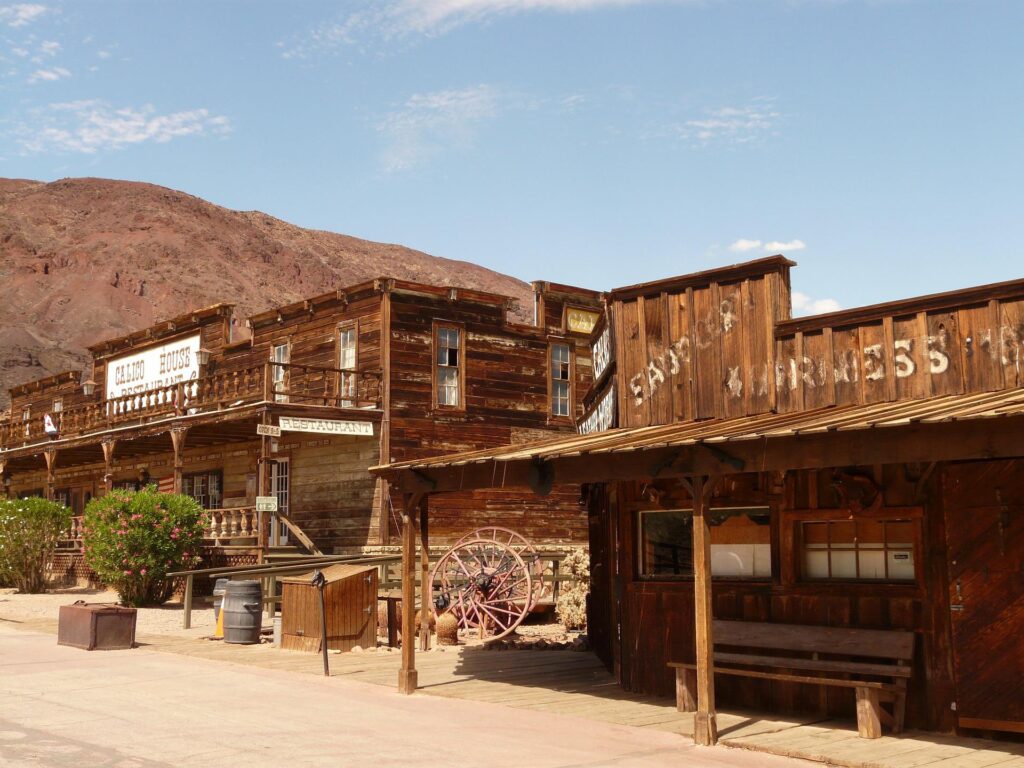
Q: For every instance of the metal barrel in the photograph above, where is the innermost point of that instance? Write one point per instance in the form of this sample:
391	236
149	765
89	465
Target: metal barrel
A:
218	596
243	612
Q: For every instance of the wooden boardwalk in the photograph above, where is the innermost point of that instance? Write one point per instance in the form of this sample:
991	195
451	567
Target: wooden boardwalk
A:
576	684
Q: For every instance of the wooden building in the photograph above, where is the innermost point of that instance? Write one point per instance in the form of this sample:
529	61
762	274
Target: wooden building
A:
858	470
300	400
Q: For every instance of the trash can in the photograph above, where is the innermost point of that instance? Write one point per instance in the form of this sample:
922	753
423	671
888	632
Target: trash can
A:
218	596
243	612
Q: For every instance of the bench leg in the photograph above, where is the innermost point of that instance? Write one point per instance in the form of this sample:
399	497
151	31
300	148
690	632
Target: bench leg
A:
869	720
899	710
686	689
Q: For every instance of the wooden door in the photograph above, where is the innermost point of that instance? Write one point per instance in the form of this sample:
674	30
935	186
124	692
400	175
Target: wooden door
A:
984	503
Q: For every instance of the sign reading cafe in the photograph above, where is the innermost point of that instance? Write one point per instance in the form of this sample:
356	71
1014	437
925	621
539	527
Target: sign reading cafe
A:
153	368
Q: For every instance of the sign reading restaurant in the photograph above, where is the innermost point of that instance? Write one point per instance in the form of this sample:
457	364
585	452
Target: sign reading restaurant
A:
325	426
153	368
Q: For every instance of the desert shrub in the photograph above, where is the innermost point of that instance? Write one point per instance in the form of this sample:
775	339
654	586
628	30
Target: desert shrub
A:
571	607
29	531
447	629
133	539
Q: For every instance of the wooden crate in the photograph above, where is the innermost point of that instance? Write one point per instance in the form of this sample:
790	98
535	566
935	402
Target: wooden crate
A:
350	599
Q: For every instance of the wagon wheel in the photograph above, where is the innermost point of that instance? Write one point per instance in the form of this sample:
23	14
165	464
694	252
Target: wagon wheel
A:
485	584
522	547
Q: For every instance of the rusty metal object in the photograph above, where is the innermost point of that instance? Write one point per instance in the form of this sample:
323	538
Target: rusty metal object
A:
96	626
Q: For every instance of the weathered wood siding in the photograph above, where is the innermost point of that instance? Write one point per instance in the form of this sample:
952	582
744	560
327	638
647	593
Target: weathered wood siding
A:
506	401
899	355
699	350
657	615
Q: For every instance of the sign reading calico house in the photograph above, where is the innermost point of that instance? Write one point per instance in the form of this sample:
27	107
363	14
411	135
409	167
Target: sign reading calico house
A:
153	368
325	426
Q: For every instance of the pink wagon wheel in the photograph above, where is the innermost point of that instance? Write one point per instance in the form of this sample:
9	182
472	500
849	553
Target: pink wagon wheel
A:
485	584
522	547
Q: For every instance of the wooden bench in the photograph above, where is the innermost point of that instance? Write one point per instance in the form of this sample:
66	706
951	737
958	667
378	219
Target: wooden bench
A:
876	663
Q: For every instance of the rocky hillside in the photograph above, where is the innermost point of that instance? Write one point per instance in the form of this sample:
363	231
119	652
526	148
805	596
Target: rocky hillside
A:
86	259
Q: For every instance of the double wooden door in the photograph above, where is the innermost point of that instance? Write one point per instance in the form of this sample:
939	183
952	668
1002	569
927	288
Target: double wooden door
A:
984	503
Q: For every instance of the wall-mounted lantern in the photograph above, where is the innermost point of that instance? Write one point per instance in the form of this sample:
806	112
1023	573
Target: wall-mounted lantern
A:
203	356
88	387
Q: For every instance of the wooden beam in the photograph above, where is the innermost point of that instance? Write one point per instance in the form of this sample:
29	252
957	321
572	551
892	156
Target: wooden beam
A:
108	463
407	678
51	462
426	586
944	441
705	725
178	435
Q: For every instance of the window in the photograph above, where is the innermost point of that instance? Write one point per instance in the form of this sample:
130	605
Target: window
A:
280	486
561	380
448	370
204	487
63	496
858	550
26	419
348	362
280	356
740	543
58	405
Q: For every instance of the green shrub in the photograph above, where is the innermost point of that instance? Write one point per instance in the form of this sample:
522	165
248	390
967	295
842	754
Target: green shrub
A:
29	531
133	539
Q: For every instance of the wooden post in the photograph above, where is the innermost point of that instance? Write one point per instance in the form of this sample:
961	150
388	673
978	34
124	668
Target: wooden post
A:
407	679
51	461
108	464
426	588
705	726
186	618
263	485
178	435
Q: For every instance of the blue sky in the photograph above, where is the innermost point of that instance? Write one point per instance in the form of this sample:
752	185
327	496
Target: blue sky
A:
596	142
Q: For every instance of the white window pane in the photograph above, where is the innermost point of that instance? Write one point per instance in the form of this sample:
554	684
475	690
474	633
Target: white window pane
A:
844	564
735	560
816	564
901	565
762	560
872	564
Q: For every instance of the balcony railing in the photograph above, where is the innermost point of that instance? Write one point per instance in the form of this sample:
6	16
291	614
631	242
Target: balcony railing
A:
273	382
238	526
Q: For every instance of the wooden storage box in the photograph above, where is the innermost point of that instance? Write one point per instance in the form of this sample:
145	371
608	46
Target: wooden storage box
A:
96	626
350	598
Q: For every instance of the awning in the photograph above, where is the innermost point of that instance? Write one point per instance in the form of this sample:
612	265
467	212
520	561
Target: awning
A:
951	427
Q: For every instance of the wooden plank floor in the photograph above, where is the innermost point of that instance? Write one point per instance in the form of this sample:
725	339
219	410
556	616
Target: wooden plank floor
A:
574	683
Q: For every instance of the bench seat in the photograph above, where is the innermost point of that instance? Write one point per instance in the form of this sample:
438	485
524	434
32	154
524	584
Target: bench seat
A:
883	677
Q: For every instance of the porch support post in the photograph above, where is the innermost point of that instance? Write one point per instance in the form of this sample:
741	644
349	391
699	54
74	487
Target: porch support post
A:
178	435
4	493
426	587
705	725
108	464
263	485
51	461
407	678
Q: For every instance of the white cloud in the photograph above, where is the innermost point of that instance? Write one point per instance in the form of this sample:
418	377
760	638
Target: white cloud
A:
777	246
805	305
730	125
104	54
395	19
90	126
430	123
745	245
20	14
49	75
49	47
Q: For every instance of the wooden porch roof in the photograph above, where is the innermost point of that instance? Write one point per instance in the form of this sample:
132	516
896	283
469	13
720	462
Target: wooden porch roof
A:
932	429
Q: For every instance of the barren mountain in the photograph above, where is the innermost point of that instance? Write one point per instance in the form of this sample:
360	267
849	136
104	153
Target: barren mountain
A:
86	259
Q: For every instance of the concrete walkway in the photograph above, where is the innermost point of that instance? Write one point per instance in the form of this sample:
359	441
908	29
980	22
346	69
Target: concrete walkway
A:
131	709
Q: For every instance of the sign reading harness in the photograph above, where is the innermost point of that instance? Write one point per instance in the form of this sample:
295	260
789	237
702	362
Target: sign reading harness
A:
325	426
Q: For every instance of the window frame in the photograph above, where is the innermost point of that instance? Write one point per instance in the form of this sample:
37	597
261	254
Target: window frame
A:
549	373
218	473
352	400
775	565
792	530
57	406
436	403
280	397
26	420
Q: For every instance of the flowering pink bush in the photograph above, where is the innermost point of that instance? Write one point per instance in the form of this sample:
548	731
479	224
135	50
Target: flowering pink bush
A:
133	539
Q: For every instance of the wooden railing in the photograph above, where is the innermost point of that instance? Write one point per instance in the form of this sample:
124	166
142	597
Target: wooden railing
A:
275	382
73	537
239	525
